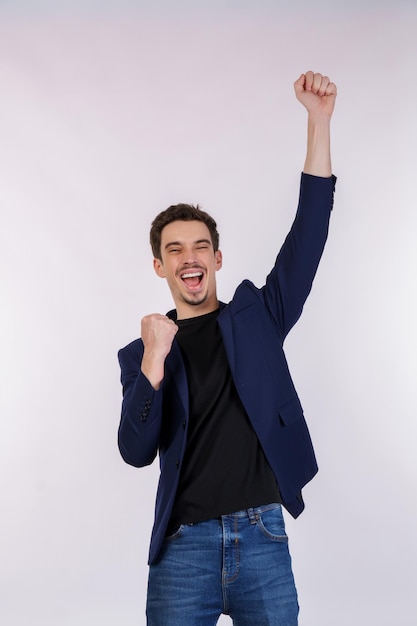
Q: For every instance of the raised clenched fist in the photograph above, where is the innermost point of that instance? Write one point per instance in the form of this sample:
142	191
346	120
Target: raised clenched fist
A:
316	92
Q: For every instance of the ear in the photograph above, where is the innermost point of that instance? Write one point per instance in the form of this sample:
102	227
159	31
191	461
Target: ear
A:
218	259
159	268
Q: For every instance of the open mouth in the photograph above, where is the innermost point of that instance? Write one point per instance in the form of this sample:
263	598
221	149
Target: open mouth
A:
192	279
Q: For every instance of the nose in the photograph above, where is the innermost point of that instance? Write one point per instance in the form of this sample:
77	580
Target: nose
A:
189	257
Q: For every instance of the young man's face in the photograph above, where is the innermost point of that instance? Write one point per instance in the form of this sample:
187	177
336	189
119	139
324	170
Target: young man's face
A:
189	264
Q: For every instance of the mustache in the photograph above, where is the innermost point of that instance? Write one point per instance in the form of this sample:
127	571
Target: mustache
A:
189	267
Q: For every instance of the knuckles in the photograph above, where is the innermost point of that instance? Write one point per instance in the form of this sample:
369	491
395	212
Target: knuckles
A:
156	325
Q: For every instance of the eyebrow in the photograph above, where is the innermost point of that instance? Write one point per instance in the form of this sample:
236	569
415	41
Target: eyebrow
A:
178	243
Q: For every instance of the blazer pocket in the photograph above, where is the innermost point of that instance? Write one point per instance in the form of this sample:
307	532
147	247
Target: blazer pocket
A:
290	412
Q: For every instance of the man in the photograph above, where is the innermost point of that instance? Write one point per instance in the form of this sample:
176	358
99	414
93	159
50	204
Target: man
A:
208	387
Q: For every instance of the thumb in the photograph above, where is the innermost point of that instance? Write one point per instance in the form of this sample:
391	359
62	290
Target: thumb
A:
299	84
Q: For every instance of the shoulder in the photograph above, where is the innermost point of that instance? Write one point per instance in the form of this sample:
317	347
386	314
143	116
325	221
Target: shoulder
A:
246	295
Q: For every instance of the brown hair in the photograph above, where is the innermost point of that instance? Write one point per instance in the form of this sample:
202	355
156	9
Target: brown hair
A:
183	212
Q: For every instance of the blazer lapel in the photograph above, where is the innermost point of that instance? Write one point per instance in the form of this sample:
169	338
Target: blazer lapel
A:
175	367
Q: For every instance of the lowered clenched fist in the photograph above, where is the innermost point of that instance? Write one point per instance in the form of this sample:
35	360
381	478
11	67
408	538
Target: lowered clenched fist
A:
158	333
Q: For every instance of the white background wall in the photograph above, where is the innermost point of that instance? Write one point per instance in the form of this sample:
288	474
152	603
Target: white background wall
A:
112	112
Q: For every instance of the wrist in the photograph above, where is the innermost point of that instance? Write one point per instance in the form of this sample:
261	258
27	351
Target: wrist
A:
152	367
318	161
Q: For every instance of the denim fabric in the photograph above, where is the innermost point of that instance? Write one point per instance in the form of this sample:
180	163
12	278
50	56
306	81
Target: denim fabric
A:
238	565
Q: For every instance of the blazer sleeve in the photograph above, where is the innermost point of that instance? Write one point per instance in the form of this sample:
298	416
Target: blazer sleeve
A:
141	418
289	283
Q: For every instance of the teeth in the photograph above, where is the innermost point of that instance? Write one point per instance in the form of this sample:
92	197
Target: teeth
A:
192	274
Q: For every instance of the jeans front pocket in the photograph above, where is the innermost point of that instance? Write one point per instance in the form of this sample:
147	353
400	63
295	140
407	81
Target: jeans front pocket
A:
271	524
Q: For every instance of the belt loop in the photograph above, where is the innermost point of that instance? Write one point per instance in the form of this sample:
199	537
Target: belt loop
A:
253	517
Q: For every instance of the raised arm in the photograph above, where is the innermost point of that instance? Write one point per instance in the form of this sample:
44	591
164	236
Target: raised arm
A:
288	285
318	95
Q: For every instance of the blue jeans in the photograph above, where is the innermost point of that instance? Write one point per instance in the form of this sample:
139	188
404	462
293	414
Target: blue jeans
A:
238	565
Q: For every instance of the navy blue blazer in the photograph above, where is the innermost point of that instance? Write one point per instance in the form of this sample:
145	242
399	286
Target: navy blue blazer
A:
253	325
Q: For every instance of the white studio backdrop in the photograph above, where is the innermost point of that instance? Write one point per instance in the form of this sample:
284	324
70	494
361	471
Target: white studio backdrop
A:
108	114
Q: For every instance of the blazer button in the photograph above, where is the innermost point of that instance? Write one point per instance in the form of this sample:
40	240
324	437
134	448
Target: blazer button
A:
184	424
177	464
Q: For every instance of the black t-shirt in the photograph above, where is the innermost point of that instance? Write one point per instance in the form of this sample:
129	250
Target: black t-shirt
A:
224	468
